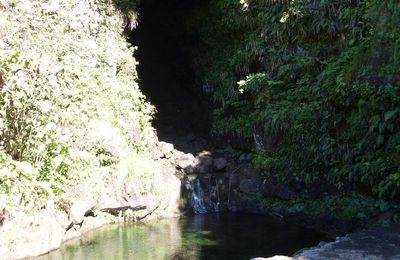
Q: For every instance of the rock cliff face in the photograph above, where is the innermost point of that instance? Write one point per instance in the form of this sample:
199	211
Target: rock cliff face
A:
83	152
95	203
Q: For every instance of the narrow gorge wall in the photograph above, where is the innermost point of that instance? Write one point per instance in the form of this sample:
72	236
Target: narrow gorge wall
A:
77	143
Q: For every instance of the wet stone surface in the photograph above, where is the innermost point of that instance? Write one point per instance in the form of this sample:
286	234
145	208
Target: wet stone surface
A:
377	243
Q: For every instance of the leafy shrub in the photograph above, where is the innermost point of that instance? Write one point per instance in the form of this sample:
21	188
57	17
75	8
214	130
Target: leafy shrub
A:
68	96
318	80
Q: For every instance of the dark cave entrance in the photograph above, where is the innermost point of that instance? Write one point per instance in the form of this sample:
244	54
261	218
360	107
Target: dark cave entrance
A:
166	74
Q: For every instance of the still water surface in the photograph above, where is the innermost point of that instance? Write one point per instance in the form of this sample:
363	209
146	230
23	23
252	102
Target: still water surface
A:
212	236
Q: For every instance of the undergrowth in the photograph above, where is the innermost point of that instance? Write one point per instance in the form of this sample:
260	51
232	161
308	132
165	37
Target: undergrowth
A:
314	83
70	104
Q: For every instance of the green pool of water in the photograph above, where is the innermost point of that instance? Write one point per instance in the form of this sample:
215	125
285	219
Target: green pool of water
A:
213	236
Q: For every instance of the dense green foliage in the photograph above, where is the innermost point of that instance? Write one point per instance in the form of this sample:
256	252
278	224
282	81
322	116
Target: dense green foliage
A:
318	80
70	105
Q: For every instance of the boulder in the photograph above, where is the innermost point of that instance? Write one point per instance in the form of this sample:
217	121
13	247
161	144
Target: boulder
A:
171	202
198	144
91	223
166	149
177	154
204	153
277	257
71	233
27	236
268	187
203	164
249	185
272	188
186	162
167	168
219	164
4	215
235	179
103	135
190	137
62	218
246	170
77	211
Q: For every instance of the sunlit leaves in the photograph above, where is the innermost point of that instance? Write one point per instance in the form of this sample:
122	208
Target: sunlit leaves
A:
72	68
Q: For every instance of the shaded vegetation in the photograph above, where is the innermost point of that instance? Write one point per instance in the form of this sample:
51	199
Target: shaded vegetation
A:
314	82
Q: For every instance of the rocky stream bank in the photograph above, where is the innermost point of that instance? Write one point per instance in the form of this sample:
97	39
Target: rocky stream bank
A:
203	181
114	197
111	198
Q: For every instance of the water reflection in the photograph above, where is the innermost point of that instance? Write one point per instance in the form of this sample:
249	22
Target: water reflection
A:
215	236
152	240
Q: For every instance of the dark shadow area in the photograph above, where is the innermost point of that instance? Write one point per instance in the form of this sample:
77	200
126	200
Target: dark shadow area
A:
165	73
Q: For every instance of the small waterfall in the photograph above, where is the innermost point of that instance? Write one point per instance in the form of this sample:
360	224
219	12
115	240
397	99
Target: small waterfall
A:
217	204
197	198
206	194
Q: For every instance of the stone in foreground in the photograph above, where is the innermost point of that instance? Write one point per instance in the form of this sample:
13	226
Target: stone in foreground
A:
377	243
